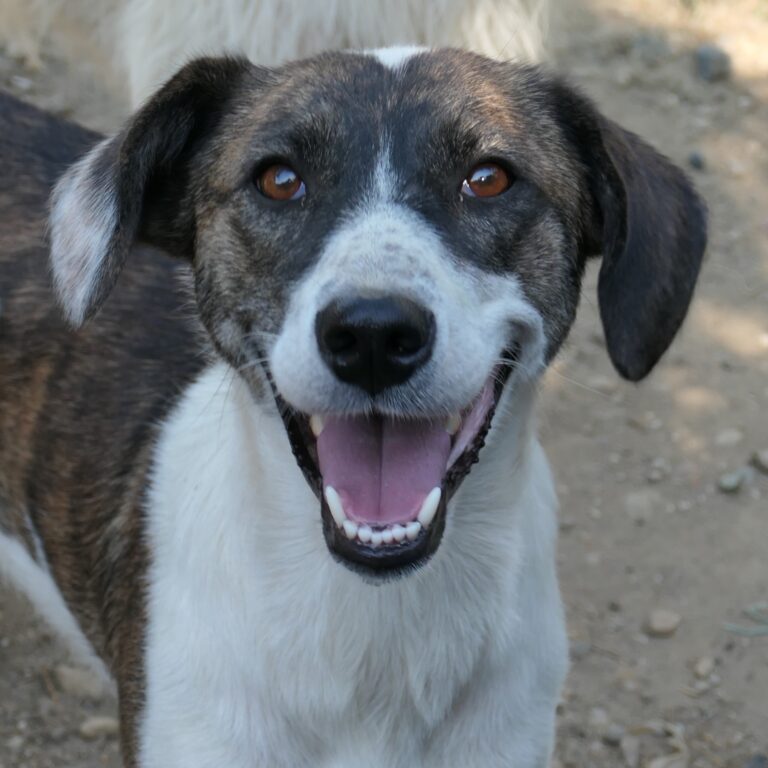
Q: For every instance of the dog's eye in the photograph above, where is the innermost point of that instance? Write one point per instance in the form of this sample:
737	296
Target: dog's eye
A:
280	182
486	180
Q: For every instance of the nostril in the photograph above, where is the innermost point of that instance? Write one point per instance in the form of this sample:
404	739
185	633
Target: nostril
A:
404	342
340	341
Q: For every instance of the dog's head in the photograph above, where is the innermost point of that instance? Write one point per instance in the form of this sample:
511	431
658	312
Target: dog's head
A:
384	241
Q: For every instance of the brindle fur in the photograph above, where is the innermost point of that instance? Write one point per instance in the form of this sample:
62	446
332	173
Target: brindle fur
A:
78	409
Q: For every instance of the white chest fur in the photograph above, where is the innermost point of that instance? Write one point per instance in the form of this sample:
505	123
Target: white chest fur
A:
264	652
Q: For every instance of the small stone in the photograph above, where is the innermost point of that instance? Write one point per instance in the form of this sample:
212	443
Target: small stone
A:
596	748
729	437
759	461
731	482
598	720
737	169
655	475
580	650
15	743
613	735
630	751
697	161
79	682
704	667
746	102
21	83
640	505
653	422
758	761
675	760
99	726
662	623
624	76
567	524
650	49
712	63
700	686
594	559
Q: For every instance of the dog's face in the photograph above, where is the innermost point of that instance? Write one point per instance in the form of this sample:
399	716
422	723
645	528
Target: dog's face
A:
380	243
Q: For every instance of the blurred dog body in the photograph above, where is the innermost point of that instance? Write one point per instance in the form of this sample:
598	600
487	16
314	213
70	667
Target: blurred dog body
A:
138	44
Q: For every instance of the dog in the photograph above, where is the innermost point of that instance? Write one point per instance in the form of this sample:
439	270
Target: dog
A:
135	45
275	463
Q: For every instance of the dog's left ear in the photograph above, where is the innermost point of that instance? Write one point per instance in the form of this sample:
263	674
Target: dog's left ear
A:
135	187
649	224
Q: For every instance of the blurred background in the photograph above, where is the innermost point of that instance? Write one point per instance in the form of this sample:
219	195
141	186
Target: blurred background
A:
663	486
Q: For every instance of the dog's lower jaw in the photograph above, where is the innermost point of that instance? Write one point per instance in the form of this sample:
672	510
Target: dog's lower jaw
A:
262	650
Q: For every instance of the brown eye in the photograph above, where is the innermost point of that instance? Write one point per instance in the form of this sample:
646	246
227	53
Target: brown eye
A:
486	180
280	182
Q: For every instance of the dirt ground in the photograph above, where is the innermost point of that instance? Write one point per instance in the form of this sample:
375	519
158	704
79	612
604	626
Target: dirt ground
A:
661	505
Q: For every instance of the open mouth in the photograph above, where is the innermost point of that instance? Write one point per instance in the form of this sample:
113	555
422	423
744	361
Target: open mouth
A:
384	483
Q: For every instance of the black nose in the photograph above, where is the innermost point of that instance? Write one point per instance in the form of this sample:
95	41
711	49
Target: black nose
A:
375	343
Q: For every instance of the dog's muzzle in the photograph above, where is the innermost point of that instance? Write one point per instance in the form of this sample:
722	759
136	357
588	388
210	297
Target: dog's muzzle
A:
384	482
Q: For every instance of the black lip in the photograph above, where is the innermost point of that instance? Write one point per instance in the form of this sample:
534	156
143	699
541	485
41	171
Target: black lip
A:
387	561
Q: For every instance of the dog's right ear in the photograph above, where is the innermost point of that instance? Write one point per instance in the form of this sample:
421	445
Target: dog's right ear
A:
647	221
133	187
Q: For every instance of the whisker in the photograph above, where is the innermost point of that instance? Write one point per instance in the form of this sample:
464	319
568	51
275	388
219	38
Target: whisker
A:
579	384
253	363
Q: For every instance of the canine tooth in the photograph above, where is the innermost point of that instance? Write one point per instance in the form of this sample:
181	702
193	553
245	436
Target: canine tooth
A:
387	536
364	533
429	507
376	538
316	424
350	529
453	424
412	530
335	506
398	532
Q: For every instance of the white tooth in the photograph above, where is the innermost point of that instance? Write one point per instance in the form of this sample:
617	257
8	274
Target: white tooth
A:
429	508
398	532
376	538
316	424
335	505
453	424
412	530
350	529
364	533
387	536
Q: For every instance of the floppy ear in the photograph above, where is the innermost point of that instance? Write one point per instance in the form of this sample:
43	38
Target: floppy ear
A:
134	187
651	228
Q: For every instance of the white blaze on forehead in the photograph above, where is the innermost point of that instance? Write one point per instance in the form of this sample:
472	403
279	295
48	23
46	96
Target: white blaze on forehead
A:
395	56
385	178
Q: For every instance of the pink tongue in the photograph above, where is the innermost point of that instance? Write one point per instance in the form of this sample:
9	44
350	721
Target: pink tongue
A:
383	469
